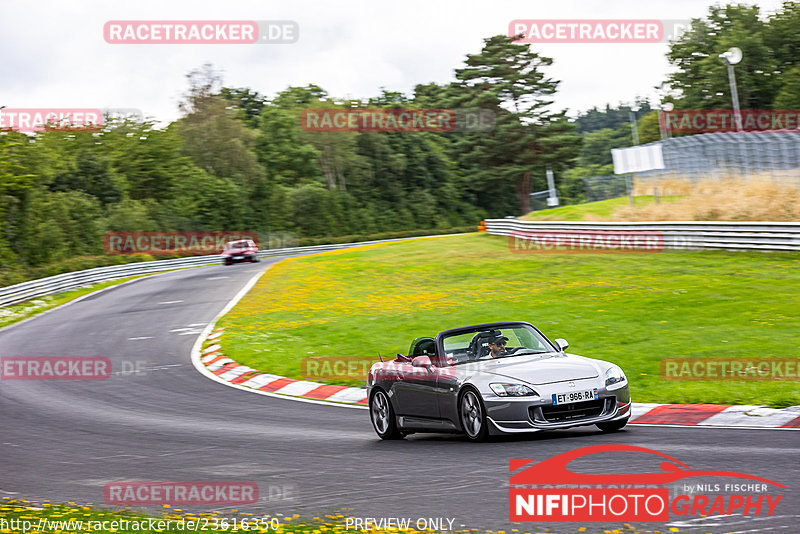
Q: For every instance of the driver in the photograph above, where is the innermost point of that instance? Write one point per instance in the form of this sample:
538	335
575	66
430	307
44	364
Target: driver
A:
497	345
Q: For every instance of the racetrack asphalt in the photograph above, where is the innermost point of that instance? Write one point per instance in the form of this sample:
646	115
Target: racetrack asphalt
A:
64	440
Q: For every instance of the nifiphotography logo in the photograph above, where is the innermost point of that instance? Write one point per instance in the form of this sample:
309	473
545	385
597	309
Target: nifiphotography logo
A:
549	491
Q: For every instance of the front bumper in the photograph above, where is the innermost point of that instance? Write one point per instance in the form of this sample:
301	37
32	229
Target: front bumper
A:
236	258
521	414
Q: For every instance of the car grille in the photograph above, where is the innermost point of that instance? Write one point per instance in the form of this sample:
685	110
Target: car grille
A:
574	411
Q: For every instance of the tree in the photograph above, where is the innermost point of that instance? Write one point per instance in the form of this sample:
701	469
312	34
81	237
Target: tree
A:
509	80
59	225
701	78
212	135
597	145
611	117
789	95
91	174
150	160
248	102
282	149
780	36
15	181
649	128
300	97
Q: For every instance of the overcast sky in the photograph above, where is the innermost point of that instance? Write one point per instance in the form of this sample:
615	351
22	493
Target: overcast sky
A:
52	53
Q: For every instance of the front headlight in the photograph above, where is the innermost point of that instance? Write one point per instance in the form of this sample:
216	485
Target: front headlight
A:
614	375
511	390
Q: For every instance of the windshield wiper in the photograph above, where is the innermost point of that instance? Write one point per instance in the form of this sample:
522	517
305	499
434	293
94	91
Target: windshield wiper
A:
525	352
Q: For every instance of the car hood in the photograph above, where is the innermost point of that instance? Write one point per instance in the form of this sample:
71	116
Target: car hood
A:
538	369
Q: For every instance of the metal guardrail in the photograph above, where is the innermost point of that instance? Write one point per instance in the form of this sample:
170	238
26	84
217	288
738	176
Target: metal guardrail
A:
690	235
74	280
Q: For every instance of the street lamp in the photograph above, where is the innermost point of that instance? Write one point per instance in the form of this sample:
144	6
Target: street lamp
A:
731	58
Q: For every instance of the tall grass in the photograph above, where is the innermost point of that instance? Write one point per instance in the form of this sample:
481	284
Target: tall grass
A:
757	198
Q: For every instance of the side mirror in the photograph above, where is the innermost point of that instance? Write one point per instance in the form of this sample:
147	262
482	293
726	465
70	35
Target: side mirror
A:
422	361
562	344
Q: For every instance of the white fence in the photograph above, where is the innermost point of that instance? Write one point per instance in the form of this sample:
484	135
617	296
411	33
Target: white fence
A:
74	280
767	236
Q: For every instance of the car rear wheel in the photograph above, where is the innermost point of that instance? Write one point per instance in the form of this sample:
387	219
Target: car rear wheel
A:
613	426
382	415
473	416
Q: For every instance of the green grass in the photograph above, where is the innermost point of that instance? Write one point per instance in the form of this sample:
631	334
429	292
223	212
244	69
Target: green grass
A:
631	309
599	209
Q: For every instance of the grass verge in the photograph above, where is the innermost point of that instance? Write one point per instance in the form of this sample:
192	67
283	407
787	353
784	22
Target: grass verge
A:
757	198
602	209
631	309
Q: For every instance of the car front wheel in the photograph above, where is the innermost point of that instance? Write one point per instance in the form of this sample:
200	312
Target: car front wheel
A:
382	415
473	416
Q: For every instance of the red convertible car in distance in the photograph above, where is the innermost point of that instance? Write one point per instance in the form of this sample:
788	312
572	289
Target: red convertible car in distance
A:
241	250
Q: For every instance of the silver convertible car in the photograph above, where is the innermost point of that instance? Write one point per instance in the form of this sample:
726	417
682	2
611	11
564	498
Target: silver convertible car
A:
492	379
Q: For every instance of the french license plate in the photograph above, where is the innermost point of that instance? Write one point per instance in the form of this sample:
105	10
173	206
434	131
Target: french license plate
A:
574	396
238	257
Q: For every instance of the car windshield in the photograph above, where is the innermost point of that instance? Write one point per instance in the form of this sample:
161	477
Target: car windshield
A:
238	244
489	343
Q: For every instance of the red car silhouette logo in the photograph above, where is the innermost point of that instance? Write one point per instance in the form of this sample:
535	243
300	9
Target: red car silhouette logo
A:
554	470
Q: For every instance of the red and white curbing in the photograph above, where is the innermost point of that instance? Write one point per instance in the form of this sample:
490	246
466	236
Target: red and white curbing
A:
227	370
716	415
706	415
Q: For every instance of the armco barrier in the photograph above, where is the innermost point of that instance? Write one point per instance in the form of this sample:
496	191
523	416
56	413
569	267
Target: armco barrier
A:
74	280
690	235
